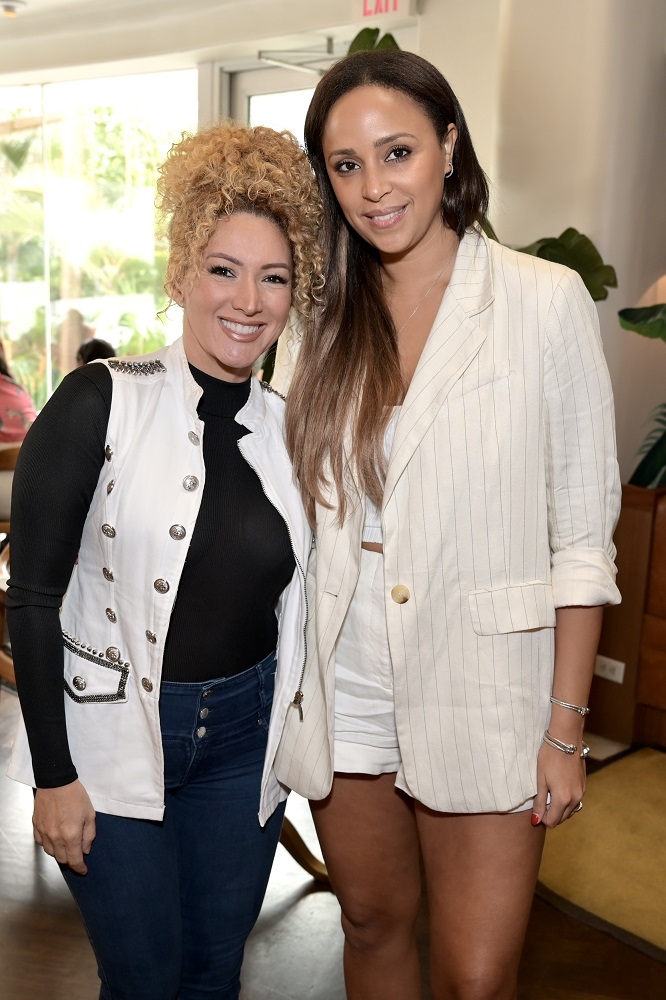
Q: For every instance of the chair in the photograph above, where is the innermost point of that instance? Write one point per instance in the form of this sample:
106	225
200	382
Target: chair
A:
8	456
6	661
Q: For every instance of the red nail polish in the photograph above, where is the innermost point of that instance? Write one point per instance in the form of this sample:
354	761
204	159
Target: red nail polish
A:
536	819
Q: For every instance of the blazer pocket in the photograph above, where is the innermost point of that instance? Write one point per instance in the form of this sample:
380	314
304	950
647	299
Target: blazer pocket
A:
94	676
512	609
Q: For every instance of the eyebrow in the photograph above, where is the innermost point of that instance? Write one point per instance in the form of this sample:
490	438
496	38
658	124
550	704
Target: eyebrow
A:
383	141
234	260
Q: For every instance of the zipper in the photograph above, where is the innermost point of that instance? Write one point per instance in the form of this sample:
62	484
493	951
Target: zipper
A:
297	701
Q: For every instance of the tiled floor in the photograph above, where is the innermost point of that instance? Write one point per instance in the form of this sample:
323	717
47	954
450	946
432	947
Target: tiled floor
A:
295	952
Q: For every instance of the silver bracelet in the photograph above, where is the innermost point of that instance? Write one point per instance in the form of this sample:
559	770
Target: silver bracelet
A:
574	708
569	748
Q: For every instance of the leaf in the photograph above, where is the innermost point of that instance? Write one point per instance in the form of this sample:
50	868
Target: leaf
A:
649	321
366	39
387	41
577	251
650	470
489	231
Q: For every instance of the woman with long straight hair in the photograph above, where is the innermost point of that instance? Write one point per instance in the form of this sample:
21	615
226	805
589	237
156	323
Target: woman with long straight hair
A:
451	427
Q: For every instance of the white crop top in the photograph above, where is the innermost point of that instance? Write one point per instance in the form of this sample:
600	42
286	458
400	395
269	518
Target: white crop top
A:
372	527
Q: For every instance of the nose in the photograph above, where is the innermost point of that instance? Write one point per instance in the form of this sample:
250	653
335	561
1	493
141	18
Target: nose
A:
247	298
376	182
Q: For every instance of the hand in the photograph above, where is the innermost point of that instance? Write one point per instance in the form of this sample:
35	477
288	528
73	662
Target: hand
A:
63	823
563	776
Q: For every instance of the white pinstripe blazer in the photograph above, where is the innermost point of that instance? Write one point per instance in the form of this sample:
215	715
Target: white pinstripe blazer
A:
501	497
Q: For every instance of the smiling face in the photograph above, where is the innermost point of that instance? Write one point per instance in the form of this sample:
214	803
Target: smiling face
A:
386	166
238	306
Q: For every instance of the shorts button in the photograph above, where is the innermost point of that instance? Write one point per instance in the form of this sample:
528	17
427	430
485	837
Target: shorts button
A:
201	731
203	713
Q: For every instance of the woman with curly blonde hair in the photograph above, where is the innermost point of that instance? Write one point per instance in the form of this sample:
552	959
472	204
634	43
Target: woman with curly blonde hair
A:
162	581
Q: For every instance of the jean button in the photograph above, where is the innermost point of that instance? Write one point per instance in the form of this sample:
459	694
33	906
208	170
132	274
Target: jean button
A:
201	731
203	713
206	694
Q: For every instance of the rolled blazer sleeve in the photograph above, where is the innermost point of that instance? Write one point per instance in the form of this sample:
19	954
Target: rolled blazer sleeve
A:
582	476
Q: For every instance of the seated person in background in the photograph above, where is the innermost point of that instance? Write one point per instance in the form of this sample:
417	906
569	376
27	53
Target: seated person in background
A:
92	350
17	410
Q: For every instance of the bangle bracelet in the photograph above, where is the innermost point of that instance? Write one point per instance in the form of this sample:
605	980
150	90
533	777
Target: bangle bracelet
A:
574	708
568	748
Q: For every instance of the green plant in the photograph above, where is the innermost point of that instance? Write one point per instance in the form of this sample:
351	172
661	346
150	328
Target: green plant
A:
650	321
368	38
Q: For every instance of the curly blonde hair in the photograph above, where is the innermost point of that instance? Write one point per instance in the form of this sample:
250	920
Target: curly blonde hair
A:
227	168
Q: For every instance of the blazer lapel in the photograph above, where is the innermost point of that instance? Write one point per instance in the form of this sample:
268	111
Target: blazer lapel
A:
453	342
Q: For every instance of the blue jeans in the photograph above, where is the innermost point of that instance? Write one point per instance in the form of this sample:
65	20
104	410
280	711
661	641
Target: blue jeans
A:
168	905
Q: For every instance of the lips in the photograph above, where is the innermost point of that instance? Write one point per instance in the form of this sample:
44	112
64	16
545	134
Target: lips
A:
242	331
387	217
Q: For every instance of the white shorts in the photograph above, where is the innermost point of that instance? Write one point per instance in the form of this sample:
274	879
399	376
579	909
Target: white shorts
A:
366	741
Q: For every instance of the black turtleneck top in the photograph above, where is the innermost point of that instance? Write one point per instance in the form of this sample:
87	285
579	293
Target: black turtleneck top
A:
238	562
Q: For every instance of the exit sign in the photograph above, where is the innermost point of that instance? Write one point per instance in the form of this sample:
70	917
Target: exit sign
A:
375	8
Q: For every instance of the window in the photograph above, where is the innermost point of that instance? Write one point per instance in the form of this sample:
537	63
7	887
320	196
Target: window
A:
79	252
278	98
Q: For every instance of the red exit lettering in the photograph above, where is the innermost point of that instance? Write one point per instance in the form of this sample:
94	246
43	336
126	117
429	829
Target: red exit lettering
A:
373	7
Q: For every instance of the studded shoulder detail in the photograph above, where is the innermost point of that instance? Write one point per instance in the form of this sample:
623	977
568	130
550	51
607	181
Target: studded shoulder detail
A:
267	387
136	367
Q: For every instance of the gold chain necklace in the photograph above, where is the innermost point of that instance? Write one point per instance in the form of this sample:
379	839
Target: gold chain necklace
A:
425	296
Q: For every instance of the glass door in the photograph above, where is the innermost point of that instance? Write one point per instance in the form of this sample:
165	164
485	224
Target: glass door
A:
278	98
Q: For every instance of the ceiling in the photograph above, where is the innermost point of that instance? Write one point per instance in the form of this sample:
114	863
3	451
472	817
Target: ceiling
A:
52	40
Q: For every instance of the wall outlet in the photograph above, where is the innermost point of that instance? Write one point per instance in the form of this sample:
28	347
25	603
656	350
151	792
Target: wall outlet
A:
612	670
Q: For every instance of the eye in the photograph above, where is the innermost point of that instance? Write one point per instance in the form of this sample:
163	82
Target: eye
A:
221	270
277	279
345	167
398	153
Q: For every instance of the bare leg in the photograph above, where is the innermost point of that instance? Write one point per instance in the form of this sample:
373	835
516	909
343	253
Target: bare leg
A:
480	874
367	831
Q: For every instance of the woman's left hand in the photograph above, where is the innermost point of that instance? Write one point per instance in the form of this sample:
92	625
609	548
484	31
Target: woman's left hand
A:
563	776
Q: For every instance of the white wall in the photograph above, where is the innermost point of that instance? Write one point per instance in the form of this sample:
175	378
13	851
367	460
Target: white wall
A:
582	142
461	38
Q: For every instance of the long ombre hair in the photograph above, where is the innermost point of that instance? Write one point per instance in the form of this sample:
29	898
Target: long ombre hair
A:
348	373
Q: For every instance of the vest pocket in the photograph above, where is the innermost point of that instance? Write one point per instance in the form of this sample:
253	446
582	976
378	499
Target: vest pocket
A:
94	676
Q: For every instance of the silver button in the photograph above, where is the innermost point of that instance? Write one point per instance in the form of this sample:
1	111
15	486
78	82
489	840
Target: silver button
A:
206	694
112	653
204	713
177	531
108	575
79	683
147	684
150	636
161	586
111	615
201	731
108	452
110	485
108	530
194	438
190	483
